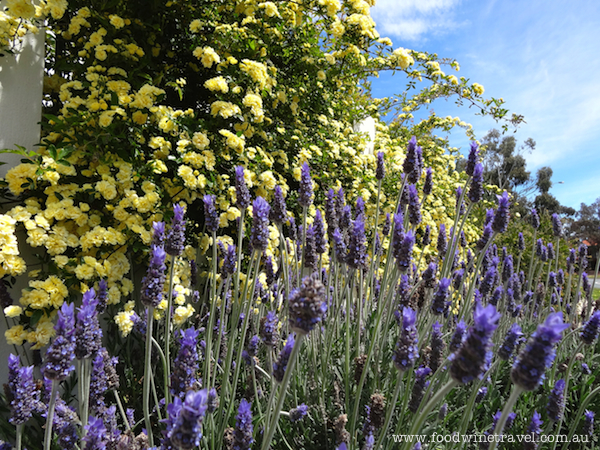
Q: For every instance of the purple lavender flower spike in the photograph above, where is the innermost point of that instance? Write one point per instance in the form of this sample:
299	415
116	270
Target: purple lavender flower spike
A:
320	241
535	219
500	222
380	171
428	184
419	387
474	356
473	158
298	413
489	216
95	435
411	165
103	378
438	347
331	215
187	427
26	397
88	334
514	337
534	429
60	354
476	189
557	227
428	275
442	245
259	238
102	296
458	336
426	236
407	348
507	268
404	254
528	370
279	366
521	242
357	249
152	284
414	206
310	251
242	194
268	329
582	260
185	366
339	246
340	202
457	279
360	207
346	218
158	234
175	239
460	205
229	261
485	237
211	216
387	225
591	329
551	252
278	213
440	297
588	426
242	435
65	424
556	401
571	259
305	192
307	305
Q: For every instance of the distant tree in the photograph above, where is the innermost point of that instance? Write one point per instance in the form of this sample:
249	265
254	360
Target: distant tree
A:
546	202
586	225
504	164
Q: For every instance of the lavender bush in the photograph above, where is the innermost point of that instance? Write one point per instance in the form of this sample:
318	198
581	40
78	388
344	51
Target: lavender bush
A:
339	338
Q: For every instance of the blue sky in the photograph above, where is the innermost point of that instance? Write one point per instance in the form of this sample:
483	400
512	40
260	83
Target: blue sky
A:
541	57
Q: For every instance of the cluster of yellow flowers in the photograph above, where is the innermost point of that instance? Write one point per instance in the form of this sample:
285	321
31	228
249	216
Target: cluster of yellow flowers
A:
21	16
143	122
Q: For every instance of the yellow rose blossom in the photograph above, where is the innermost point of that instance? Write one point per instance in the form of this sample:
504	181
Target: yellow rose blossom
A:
17	176
13	311
224	109
124	322
234	142
207	56
44	331
217	84
15	335
182	313
478	89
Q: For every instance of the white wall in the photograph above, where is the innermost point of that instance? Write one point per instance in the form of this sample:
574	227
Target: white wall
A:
21	82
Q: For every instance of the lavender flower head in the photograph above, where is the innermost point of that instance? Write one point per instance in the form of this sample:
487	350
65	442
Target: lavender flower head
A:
185	366
556	401
320	241
414	205
419	387
102	296
387	225
583	262
95	435
26	396
476	189
535	219
229	261
357	250
473	158
175	239
310	249
360	207
60	354
305	192
211	216
158	234
380	171
412	162
298	413
428	275
438	305
458	336
187	426
588	426
591	329
88	334
474	356
152	284
514	337
557	227
278	212
500	222
442	245
428	184
339	246
528	370
404	251
307	305
407	348
259	238
242	194
280	365
242	435
521	242
268	329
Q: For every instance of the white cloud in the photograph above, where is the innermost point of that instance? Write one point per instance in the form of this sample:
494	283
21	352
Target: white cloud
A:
413	20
